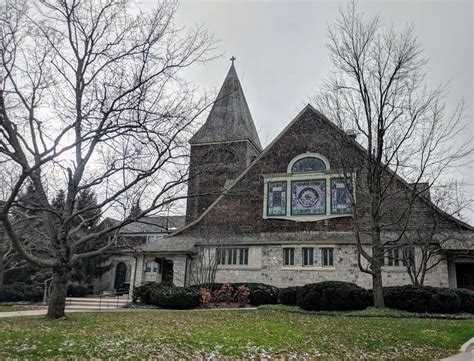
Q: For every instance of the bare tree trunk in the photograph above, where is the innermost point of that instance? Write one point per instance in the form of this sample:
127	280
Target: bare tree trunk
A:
57	299
376	267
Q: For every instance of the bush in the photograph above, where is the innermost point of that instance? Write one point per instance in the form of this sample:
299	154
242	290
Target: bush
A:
74	290
179	298
333	296
466	297
422	299
143	293
262	294
287	296
20	292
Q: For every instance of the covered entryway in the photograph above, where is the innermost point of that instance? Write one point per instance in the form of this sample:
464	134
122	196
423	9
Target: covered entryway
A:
120	275
167	272
465	275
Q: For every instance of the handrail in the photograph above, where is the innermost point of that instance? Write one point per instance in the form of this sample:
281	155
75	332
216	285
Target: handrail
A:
107	297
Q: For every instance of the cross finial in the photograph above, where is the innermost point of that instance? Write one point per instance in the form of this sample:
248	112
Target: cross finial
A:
233	59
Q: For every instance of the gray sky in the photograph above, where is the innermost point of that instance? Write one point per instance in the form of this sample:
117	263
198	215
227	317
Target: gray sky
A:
282	58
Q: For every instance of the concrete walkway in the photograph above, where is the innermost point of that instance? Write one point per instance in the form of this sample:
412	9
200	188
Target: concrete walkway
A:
41	312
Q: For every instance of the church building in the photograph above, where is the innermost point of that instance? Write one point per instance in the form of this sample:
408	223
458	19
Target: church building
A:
279	215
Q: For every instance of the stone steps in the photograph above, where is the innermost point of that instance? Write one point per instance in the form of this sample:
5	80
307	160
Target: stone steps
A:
96	303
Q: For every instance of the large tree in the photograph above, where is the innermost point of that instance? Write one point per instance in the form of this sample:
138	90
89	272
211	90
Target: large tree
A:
93	99
377	90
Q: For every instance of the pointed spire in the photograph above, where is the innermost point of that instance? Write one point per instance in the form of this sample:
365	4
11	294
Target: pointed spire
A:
230	117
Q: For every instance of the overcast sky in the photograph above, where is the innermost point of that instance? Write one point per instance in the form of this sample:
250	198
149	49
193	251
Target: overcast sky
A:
282	58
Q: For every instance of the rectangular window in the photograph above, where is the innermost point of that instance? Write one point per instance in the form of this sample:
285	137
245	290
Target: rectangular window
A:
328	257
276	199
308	256
340	197
244	256
288	256
151	267
408	256
232	256
220	255
308	197
391	257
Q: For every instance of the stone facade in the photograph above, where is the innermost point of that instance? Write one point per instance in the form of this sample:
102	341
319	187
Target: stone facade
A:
266	266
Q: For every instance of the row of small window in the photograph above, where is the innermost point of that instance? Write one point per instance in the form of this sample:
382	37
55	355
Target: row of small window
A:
232	256
327	256
397	257
308	197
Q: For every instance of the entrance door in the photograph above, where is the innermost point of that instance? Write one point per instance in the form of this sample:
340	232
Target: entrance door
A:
120	275
465	275
167	271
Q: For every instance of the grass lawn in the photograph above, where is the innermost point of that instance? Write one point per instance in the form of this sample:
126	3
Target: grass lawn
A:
214	333
10	307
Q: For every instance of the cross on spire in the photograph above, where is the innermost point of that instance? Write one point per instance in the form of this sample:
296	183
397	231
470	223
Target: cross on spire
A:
233	59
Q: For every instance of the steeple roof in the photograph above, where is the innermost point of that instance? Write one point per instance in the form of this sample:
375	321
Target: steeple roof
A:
230	118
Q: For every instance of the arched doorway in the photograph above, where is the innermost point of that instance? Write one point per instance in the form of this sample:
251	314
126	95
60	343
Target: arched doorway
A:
120	274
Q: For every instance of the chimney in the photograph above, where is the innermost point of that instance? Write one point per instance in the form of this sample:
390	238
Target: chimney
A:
352	133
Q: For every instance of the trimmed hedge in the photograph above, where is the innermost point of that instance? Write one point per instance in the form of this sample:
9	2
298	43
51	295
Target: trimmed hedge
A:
20	292
466	297
262	294
287	296
143	293
74	290
179	298
422	299
333	296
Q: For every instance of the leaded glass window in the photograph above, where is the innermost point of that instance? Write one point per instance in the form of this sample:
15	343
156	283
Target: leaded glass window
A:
340	198
328	257
308	256
308	164
288	256
276	199
309	197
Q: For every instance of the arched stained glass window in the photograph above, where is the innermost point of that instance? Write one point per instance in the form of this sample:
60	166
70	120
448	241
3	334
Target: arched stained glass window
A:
308	164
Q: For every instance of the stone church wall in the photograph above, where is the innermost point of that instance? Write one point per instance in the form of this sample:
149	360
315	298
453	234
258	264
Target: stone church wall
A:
266	266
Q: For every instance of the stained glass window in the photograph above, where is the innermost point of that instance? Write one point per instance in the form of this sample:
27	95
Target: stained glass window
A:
308	164
276	199
340	198
309	197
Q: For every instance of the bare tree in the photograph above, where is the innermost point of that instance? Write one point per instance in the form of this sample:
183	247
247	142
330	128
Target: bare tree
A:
421	250
377	90
93	98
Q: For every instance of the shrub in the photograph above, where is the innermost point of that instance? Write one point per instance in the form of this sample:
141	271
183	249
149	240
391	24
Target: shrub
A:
74	290
179	298
225	294
333	296
287	296
243	295
206	295
466	297
262	294
143	293
20	292
422	299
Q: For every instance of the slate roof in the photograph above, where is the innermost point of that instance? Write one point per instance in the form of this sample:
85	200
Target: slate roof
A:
230	117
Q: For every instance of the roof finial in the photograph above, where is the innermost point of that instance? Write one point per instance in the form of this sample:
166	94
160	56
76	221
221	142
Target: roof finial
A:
233	59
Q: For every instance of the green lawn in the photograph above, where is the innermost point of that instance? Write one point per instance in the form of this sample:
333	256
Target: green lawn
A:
10	307
212	333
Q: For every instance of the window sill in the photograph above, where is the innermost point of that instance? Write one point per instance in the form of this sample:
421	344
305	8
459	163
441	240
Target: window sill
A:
308	268
308	218
237	267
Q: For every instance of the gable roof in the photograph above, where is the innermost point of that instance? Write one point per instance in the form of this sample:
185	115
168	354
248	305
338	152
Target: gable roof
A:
230	118
349	139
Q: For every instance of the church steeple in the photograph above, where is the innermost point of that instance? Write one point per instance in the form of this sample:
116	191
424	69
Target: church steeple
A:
230	118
